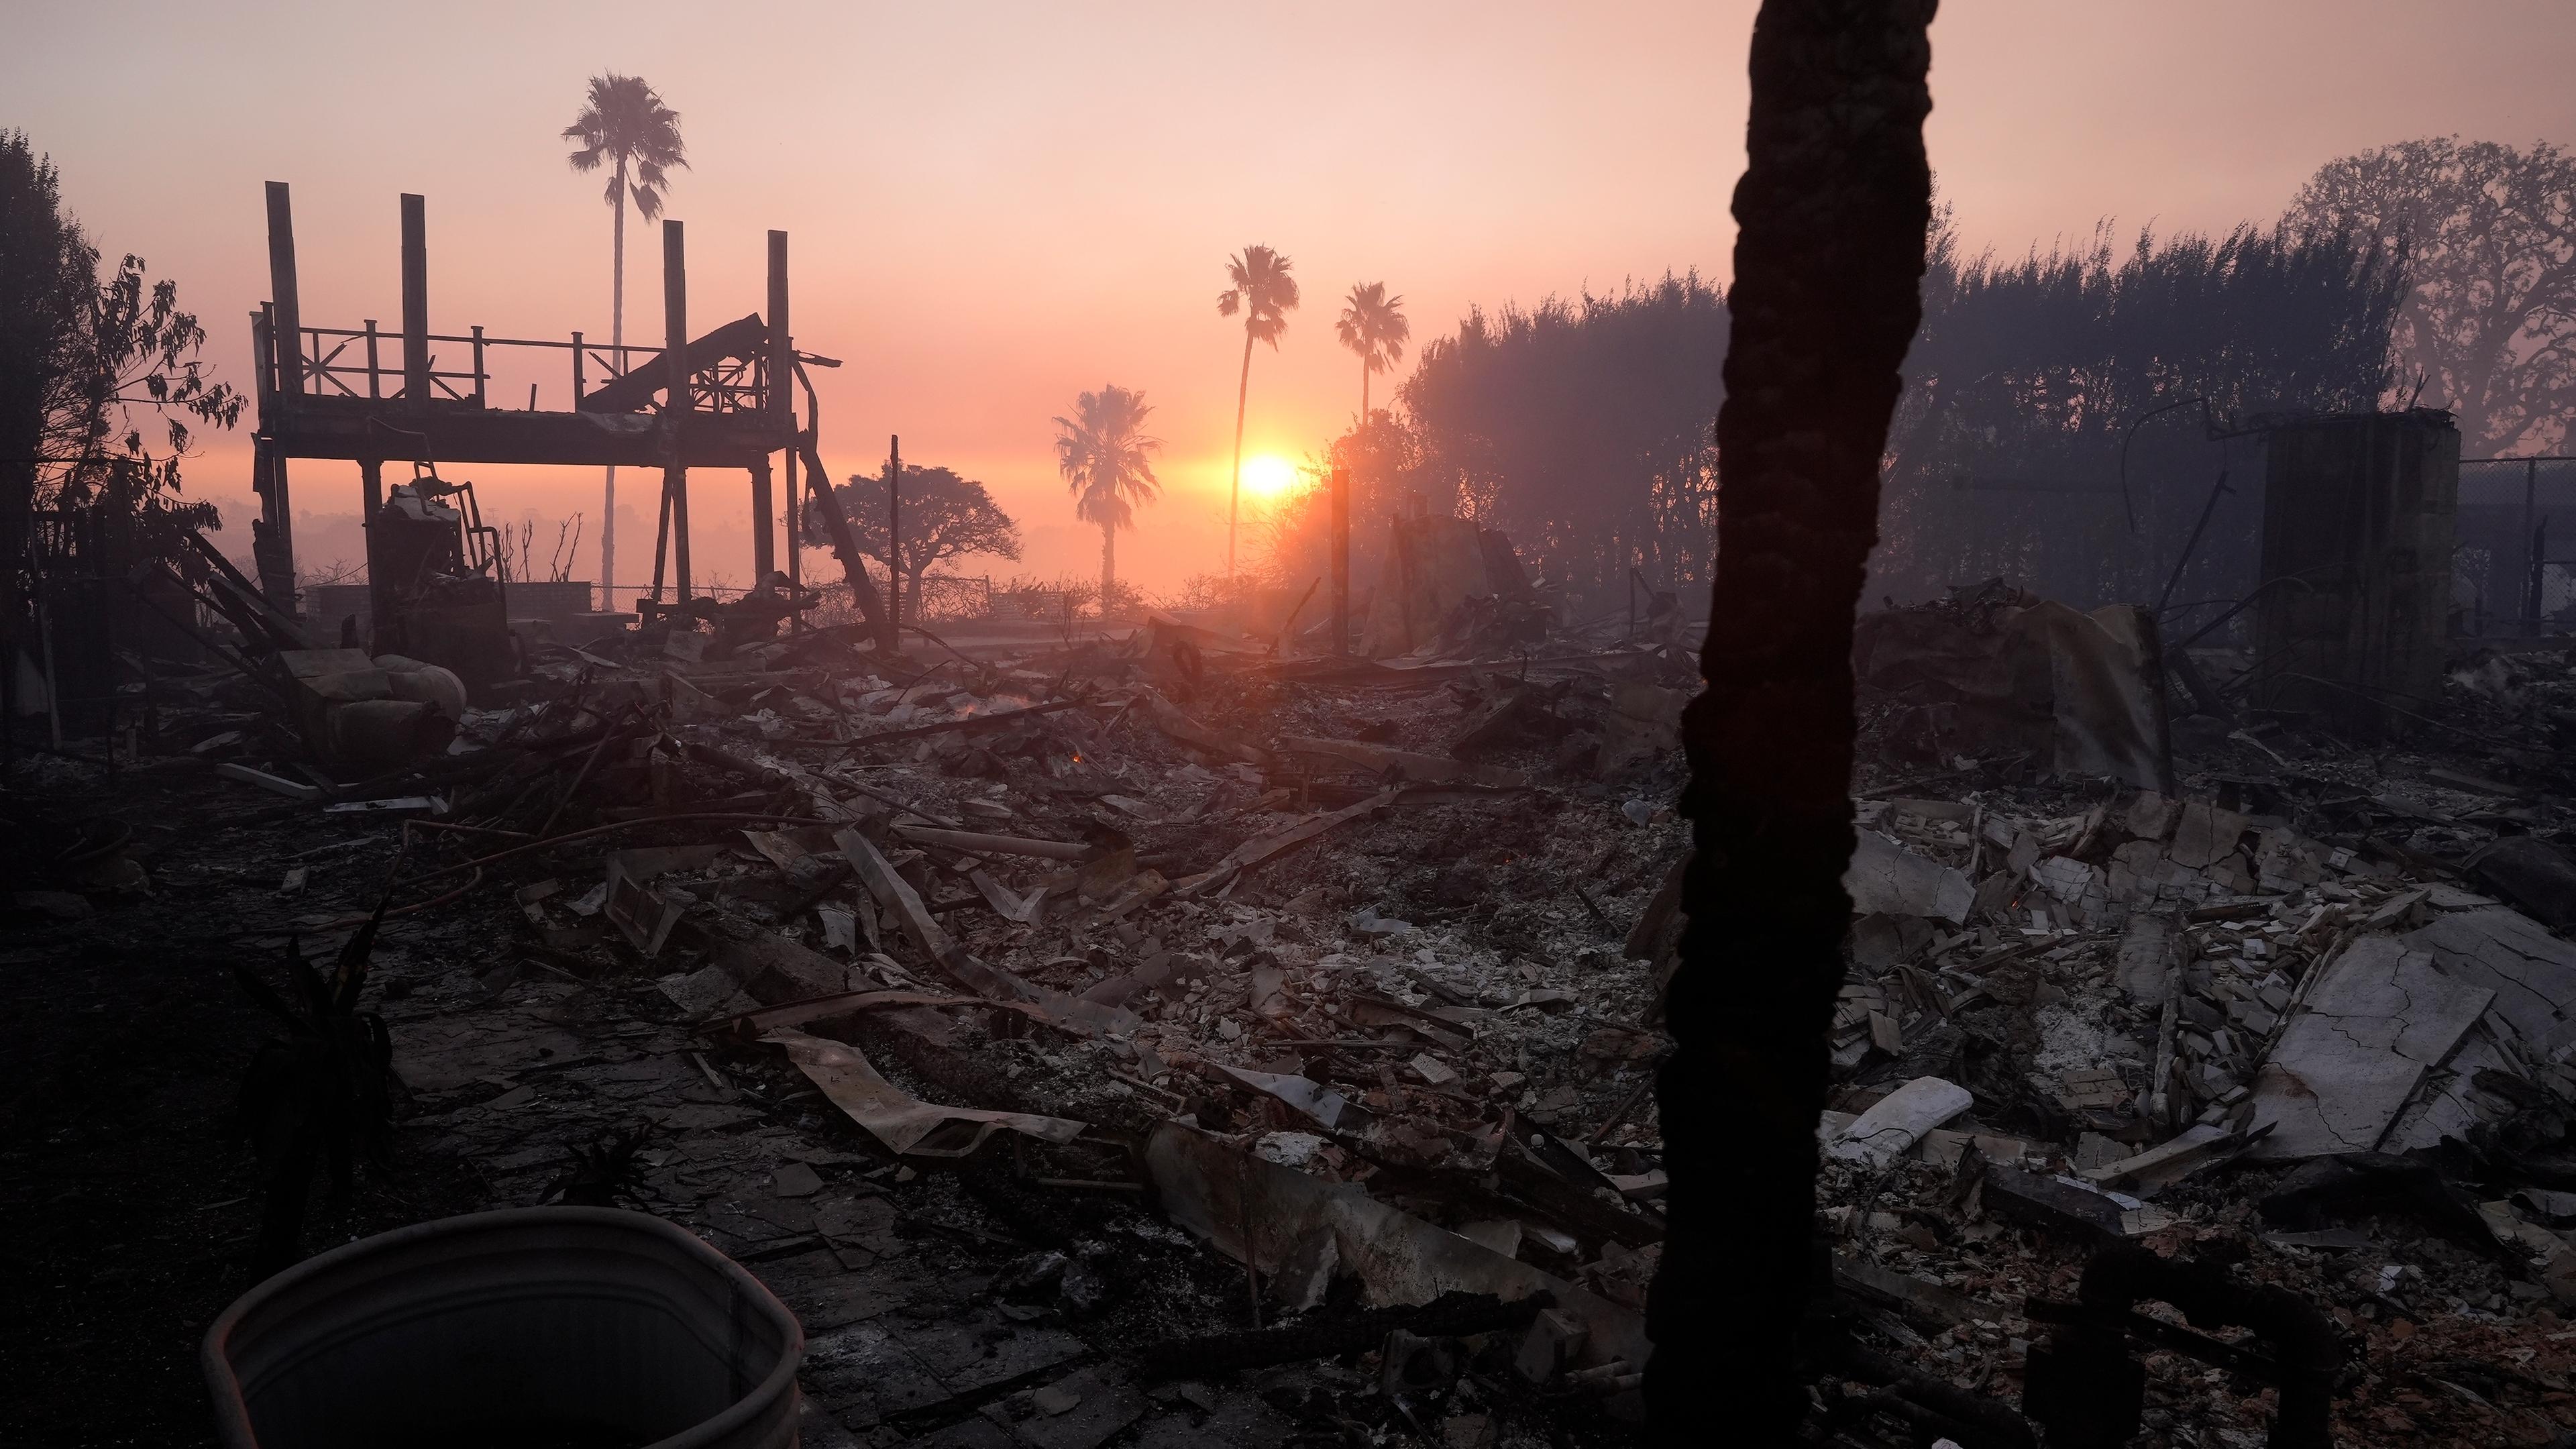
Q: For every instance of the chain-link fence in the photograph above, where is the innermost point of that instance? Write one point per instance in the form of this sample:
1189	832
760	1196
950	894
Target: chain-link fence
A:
2515	515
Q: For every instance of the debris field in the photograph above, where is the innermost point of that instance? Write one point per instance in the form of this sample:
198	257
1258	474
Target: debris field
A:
1146	1039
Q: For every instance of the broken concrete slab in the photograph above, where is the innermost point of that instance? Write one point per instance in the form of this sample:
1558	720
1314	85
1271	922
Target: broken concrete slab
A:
2379	1017
2531	972
1896	1122
1885	877
1216	1190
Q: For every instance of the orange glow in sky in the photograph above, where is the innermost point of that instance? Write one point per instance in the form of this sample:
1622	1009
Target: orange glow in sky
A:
995	207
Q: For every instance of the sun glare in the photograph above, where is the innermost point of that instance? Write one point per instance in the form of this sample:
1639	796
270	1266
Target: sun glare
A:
1268	475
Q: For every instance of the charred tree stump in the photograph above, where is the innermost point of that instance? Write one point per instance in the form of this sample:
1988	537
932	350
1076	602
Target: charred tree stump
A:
1832	211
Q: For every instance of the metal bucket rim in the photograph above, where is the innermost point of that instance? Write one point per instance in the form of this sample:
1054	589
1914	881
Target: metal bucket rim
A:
232	1412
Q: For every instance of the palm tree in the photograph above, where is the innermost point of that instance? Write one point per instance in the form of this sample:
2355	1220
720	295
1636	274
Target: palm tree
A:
1264	293
1373	326
626	128
1107	461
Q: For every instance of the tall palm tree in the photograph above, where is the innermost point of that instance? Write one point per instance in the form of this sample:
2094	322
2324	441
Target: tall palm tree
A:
1106	457
624	127
1264	293
1373	325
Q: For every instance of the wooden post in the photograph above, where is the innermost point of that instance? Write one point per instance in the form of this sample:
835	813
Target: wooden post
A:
371	471
1341	485
2531	545
894	543
286	345
375	393
795	517
782	407
478	365
263	360
661	541
287	342
675	403
764	553
415	303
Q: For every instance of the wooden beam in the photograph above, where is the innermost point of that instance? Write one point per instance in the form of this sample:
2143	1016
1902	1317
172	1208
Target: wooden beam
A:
863	590
977	843
354	429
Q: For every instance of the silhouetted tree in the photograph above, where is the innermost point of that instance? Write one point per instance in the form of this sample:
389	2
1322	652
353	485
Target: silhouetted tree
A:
944	517
1264	291
1107	459
1374	326
1580	428
625	128
2489	233
1831	215
45	270
78	357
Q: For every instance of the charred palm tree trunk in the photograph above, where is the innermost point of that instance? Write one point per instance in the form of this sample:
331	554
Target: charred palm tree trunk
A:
1828	259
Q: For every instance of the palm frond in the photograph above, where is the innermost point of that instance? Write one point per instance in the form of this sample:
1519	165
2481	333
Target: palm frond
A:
1264	291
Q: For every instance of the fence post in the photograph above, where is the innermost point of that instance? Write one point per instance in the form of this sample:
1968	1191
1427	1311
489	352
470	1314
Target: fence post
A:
2531	545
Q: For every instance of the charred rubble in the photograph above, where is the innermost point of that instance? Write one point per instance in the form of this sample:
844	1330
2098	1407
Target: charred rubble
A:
1173	1031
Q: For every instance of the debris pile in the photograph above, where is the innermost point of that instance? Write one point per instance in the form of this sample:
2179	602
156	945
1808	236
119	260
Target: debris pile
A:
1189	1031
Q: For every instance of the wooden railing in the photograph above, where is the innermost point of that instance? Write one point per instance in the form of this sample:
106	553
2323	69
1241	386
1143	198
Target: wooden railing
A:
368	363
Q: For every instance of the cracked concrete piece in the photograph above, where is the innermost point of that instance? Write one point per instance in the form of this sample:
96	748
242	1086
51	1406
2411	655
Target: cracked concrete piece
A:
2345	1068
1898	1120
2448	1104
2146	959
2531	972
1886	877
2206	834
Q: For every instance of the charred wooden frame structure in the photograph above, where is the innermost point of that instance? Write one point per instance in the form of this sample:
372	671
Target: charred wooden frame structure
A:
723	400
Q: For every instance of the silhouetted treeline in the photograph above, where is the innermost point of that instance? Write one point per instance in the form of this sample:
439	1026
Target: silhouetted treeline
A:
1582	427
2027	377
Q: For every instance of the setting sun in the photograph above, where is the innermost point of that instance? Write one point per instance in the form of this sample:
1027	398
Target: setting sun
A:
1268	475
